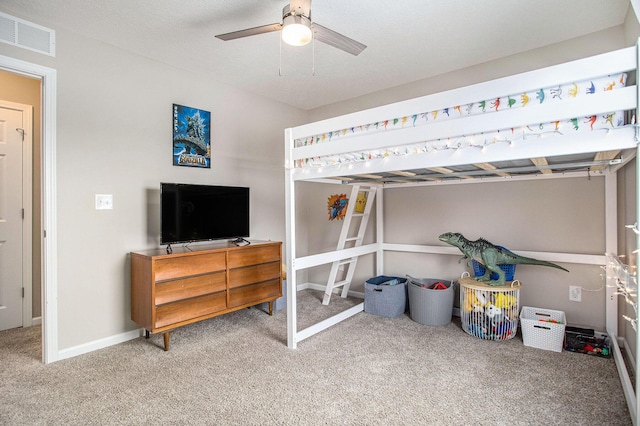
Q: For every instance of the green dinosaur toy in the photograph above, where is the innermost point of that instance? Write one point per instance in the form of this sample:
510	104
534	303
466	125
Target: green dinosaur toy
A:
490	256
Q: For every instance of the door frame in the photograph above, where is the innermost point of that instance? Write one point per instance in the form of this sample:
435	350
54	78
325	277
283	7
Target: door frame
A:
27	205
48	79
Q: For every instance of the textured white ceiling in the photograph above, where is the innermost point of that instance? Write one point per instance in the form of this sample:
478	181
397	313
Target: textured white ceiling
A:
407	40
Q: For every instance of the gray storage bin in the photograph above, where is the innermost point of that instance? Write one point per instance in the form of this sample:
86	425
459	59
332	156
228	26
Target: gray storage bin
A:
429	306
385	300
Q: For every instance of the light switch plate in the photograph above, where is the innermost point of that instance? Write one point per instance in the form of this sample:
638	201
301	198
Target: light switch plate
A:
104	202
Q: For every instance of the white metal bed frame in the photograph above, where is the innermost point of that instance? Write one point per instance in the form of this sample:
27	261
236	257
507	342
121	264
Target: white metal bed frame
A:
623	139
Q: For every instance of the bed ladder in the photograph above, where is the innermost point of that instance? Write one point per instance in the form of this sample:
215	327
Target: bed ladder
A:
347	240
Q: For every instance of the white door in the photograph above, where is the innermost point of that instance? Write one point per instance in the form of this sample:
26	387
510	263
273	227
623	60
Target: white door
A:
12	212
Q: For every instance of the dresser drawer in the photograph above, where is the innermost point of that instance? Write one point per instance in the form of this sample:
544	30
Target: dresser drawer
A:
254	255
172	313
254	274
182	266
254	293
173	290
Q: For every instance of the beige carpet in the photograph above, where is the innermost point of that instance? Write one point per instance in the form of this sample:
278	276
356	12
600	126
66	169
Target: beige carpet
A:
368	370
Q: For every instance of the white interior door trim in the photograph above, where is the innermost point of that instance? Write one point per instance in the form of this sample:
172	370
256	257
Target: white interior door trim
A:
48	77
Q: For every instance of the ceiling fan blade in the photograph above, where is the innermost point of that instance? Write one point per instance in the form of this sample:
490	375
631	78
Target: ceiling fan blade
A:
332	38
250	32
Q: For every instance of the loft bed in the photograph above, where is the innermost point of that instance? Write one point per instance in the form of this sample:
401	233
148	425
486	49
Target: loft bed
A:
573	118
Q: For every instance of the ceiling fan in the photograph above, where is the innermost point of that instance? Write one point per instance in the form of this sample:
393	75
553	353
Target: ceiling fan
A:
298	30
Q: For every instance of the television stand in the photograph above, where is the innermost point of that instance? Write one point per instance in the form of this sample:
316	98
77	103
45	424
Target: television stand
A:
169	290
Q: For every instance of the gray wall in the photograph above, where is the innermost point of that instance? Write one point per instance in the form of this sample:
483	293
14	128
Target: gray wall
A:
563	215
114	137
593	44
548	215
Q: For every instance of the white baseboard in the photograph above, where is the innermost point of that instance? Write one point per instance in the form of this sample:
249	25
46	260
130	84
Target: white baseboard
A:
625	379
36	321
98	344
629	353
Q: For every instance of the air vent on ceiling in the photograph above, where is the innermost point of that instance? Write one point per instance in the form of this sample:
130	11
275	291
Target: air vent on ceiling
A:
21	33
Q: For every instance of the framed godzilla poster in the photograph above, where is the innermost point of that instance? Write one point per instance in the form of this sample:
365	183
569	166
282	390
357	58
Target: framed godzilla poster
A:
191	137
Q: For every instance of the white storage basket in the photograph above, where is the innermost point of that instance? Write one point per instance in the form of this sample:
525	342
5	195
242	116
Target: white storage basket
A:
542	328
489	312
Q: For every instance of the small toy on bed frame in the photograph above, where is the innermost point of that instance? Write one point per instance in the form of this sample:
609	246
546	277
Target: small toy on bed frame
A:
491	256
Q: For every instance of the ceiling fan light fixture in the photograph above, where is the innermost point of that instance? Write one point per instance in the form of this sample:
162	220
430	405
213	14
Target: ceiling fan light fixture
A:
296	30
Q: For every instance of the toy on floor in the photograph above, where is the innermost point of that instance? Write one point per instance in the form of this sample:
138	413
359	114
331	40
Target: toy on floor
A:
587	343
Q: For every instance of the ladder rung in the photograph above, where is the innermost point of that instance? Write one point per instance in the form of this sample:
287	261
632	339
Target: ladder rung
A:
352	239
358	214
346	262
339	284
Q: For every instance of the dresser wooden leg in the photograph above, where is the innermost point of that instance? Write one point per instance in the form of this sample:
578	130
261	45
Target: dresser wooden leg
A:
167	338
271	308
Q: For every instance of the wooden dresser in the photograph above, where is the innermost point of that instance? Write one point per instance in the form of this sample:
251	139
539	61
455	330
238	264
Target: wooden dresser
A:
196	283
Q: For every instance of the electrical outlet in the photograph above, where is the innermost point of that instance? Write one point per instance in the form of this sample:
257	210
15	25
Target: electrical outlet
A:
575	293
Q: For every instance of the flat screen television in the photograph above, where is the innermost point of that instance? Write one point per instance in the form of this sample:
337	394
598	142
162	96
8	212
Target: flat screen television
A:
190	212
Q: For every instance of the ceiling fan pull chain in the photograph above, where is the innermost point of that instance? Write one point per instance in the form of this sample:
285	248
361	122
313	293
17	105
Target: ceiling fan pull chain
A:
280	59
313	57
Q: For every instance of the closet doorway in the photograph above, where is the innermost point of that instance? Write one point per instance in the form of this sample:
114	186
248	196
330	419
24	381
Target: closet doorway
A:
44	254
